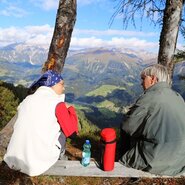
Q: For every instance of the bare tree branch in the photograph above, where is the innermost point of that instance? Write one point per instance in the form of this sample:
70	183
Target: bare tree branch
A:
131	9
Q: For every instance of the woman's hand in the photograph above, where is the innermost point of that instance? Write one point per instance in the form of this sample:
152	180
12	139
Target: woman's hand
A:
68	105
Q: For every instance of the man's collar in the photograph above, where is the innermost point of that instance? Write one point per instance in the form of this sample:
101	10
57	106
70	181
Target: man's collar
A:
157	86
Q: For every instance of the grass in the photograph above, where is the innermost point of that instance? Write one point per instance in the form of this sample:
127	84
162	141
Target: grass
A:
108	105
82	107
104	90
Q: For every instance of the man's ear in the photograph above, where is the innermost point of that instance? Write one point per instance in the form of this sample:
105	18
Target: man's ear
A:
154	79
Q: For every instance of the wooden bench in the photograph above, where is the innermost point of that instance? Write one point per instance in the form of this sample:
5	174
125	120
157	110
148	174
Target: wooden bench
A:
74	168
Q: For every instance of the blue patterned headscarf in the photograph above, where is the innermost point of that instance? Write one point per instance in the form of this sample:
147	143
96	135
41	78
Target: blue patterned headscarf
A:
49	79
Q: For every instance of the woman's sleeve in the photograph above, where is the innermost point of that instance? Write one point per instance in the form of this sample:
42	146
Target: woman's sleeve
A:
67	119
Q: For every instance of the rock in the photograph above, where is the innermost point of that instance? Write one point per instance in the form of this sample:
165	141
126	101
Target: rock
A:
5	135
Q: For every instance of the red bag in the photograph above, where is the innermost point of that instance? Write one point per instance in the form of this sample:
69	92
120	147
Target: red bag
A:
108	143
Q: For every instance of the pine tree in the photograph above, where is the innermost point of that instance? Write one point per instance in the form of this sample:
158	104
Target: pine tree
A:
8	105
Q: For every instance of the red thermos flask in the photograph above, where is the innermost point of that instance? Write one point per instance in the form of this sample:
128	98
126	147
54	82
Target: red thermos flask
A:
108	146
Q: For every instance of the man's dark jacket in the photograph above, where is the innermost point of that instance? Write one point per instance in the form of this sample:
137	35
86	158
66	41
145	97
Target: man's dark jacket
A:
156	129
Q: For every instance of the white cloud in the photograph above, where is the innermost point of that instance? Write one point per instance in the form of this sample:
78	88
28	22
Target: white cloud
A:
46	4
180	46
39	40
33	35
117	38
11	35
133	42
44	29
119	42
42	35
86	42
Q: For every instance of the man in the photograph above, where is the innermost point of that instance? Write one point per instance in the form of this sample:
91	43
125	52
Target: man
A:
44	121
153	134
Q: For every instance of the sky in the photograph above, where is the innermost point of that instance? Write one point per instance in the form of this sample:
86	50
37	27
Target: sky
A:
32	22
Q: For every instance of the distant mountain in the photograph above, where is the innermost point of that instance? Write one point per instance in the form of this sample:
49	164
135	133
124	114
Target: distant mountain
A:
19	72
89	69
20	52
37	54
91	66
101	82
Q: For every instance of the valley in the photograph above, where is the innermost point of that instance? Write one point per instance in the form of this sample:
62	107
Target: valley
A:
101	82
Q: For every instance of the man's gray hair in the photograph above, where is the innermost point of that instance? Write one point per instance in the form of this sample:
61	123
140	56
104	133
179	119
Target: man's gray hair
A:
158	70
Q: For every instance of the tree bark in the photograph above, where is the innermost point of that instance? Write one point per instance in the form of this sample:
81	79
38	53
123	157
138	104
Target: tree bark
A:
169	33
65	21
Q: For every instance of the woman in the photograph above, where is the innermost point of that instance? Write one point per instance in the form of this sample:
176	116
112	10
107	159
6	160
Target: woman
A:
44	121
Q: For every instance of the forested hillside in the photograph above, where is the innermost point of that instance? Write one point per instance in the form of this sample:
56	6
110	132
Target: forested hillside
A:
10	97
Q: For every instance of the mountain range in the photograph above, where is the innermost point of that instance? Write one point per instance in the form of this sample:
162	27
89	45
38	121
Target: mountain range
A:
21	63
102	82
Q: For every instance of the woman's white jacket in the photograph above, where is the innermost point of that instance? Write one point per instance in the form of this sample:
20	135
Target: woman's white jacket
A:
34	145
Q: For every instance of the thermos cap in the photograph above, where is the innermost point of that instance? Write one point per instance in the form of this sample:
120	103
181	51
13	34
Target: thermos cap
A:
108	134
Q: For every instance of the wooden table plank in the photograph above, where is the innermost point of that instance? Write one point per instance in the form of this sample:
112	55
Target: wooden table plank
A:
74	168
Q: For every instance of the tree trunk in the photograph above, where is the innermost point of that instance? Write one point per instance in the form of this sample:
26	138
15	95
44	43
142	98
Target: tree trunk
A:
169	33
65	21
